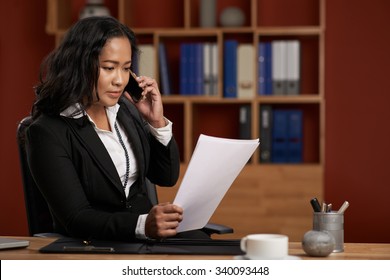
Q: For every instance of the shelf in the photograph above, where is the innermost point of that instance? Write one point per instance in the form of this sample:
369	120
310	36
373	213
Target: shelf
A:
258	191
178	22
202	99
307	98
178	32
291	30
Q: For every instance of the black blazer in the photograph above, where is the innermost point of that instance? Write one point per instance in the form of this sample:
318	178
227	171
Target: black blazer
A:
78	179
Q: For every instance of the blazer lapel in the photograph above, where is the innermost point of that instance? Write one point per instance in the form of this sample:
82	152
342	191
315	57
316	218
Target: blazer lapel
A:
88	138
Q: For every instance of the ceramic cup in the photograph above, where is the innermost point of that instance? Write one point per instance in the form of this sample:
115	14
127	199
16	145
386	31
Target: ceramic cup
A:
265	246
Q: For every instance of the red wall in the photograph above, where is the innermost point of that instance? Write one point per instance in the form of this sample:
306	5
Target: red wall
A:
357	96
23	45
357	116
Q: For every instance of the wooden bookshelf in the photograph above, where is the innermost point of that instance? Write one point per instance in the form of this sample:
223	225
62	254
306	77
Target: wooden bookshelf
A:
265	197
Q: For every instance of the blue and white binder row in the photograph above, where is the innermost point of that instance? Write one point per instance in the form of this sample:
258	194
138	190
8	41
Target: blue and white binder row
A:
198	69
279	64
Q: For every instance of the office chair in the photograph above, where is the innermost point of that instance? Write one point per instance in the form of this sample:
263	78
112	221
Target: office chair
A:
40	222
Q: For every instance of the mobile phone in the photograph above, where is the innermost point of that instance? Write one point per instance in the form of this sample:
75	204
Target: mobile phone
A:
133	88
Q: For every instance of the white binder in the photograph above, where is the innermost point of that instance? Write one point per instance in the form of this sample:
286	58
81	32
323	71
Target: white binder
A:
293	67
146	66
279	67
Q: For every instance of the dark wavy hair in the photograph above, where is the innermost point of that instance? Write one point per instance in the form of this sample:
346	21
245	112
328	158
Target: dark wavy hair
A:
70	73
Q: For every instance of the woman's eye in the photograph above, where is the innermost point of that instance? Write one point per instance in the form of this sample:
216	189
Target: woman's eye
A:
127	69
108	68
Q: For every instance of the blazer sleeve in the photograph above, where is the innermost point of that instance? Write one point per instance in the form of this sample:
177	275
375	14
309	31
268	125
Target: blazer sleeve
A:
164	167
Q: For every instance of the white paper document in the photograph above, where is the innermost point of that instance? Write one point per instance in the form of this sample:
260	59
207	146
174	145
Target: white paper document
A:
215	164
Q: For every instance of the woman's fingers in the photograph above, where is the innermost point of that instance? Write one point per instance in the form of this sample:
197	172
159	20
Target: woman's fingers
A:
163	220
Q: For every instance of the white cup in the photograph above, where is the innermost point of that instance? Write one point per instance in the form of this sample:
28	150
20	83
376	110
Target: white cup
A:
265	246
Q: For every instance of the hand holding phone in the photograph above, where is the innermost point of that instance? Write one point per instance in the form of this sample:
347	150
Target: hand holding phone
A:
133	88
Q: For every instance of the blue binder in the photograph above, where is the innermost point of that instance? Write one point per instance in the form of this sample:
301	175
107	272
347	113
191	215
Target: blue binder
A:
191	68
165	77
184	68
230	69
198	77
287	135
261	69
295	145
265	122
279	152
268	68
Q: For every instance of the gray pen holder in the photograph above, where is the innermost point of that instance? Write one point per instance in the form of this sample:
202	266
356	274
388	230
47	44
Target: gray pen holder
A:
332	222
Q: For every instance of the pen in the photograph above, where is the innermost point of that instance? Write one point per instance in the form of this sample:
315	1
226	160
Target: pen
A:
88	249
343	207
315	204
324	207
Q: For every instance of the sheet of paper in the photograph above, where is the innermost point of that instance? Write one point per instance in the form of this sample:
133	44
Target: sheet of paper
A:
215	164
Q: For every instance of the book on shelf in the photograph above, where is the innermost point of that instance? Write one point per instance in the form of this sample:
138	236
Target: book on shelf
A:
279	136
279	67
268	68
214	69
245	68
191	59
295	137
264	68
210	69
245	122
146	64
261	69
293	67
230	69
207	66
287	136
184	55
165	77
198	69
265	133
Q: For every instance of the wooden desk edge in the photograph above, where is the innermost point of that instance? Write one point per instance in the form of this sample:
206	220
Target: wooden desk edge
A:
352	251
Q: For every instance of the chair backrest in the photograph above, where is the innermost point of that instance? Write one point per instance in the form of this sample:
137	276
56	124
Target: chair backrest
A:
38	213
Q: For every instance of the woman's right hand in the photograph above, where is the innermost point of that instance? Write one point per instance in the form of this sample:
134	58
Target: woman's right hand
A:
163	220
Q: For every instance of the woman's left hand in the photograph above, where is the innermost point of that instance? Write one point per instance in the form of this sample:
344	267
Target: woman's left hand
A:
150	105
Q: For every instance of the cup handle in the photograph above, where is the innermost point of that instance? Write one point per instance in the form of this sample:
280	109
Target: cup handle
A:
243	244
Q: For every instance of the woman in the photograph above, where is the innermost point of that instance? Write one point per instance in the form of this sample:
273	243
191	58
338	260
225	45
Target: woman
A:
91	147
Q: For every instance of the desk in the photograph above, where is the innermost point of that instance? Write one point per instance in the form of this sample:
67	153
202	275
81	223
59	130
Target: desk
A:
352	251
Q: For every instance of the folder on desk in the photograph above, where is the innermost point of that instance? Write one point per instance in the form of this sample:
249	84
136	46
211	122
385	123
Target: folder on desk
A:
10	243
174	246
